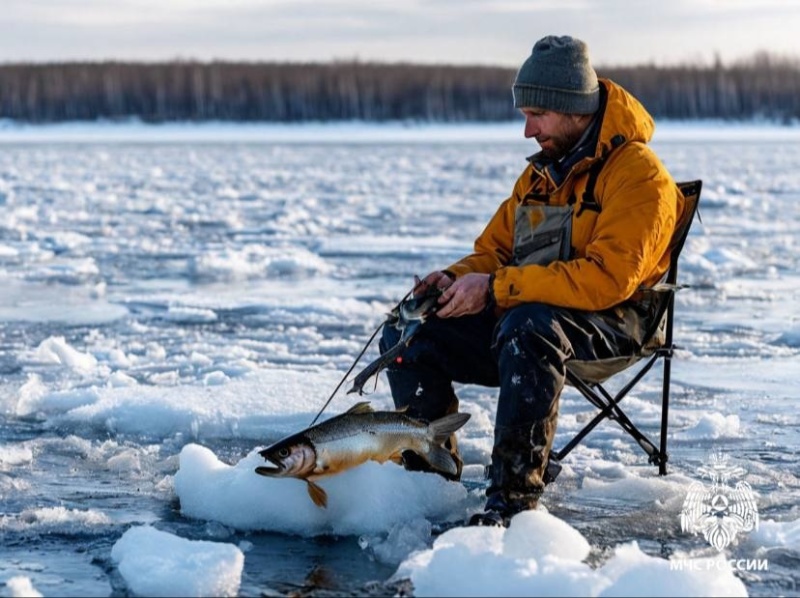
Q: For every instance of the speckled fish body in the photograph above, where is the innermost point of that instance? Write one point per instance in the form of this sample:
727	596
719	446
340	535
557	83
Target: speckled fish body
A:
357	436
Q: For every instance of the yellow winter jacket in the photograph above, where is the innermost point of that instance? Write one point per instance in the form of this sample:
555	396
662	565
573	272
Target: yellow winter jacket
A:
615	250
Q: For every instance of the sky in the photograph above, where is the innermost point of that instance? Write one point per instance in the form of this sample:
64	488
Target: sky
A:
490	32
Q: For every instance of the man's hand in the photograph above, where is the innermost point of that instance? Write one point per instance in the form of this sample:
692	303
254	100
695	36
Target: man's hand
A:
467	295
436	279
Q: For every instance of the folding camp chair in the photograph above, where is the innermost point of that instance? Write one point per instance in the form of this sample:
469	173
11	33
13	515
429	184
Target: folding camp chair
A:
587	377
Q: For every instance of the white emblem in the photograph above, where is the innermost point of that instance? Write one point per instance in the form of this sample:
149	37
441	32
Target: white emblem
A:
720	511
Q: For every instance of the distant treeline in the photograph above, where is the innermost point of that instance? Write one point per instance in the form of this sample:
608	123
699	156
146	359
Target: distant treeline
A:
764	87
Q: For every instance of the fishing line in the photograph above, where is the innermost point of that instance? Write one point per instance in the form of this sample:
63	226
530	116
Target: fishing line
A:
417	283
338	386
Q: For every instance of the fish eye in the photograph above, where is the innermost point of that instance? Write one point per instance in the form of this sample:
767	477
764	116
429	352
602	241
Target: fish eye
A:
284	452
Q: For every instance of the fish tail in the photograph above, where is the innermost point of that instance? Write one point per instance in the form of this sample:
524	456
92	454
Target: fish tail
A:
441	459
441	428
439	431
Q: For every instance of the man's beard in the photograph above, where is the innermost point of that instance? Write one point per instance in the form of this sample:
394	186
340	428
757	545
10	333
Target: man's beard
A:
561	145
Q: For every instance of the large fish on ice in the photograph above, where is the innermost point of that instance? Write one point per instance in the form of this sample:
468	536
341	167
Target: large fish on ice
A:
354	437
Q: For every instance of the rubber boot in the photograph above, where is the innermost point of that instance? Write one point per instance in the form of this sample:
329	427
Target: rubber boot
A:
519	460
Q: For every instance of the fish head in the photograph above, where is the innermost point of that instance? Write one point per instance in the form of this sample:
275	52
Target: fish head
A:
418	307
294	457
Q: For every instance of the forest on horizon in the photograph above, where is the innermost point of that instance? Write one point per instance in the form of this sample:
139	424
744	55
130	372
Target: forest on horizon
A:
763	87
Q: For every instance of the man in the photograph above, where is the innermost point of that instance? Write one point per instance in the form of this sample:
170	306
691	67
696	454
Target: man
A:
556	275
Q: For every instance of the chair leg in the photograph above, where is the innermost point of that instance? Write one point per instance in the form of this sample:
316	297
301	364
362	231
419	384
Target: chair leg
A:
609	408
662	463
666	352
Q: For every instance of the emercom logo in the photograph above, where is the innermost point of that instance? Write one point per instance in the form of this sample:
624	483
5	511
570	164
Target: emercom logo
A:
720	511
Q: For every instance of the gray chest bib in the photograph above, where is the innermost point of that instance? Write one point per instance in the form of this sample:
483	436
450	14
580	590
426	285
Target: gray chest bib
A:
542	234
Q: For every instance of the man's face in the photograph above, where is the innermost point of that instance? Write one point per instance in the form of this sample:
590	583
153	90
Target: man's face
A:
556	133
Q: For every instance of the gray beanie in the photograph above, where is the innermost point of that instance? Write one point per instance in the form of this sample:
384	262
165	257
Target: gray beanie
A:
558	76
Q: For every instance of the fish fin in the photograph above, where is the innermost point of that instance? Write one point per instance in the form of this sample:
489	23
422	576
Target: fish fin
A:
442	428
360	408
317	494
441	459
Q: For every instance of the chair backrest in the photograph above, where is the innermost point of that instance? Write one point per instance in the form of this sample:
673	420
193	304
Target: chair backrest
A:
691	194
660	333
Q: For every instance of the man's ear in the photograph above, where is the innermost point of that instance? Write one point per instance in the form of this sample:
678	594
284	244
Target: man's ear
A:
581	120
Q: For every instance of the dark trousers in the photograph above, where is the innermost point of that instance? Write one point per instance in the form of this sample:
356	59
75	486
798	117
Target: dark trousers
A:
524	352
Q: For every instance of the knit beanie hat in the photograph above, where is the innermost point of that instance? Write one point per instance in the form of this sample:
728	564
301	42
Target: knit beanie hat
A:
558	76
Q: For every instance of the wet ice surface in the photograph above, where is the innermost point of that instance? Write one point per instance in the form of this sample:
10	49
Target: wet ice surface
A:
160	296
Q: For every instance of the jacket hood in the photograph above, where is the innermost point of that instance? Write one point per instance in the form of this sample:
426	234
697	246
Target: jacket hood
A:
624	116
621	118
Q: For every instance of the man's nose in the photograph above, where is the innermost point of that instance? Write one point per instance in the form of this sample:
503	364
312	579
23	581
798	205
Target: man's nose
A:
531	129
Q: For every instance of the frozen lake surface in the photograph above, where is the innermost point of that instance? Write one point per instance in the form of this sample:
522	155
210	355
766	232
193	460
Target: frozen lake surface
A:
172	300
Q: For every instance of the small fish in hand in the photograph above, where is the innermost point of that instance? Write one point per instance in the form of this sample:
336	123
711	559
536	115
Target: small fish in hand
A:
355	437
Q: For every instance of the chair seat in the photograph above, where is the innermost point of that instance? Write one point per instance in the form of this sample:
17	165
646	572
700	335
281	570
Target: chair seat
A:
598	371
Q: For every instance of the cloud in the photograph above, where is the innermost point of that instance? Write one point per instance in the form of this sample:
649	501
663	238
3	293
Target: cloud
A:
431	31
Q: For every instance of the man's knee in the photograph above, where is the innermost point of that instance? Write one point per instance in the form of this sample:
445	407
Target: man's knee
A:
533	323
